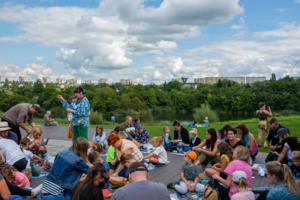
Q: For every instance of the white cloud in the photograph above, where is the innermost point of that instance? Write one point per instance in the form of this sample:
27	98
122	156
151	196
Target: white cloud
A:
241	24
280	10
103	38
297	1
39	58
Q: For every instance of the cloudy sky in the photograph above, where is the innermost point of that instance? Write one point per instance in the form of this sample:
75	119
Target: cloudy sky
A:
148	40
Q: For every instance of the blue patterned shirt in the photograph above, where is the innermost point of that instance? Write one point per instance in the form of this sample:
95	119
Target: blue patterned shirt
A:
142	137
81	112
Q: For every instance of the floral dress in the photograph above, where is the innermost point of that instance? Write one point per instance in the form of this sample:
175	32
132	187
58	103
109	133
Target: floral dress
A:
43	163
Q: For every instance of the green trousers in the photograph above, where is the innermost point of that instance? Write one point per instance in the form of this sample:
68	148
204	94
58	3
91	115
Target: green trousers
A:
204	159
79	131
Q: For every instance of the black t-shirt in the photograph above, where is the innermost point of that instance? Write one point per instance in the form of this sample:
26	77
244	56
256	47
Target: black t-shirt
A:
295	171
273	135
90	193
239	143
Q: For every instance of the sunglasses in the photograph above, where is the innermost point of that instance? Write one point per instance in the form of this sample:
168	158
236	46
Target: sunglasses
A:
266	175
76	91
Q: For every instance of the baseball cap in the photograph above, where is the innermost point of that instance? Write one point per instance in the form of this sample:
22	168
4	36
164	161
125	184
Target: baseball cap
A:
191	154
281	131
237	175
137	166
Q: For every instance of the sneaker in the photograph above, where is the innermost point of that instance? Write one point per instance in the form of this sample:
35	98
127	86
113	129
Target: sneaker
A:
171	185
36	191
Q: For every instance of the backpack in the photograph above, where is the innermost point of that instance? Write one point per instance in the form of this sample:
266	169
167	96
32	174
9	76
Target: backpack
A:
210	193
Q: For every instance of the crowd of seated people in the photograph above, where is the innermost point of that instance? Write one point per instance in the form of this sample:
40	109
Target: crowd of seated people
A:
80	173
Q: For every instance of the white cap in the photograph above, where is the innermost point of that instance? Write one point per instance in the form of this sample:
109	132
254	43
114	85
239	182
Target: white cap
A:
237	175
206	117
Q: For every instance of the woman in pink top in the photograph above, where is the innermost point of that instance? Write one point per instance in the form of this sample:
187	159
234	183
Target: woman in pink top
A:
241	154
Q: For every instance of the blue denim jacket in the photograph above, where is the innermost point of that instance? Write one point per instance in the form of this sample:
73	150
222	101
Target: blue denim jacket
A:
282	192
67	169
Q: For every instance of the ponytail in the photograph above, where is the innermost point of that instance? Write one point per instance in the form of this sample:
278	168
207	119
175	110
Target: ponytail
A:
282	172
242	184
159	140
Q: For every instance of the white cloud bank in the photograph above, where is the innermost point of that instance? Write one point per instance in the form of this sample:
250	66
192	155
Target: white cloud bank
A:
98	42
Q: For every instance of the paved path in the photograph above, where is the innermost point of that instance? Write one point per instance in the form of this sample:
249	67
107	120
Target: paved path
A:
165	174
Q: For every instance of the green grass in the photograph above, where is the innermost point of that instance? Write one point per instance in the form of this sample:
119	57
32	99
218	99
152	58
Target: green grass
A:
291	122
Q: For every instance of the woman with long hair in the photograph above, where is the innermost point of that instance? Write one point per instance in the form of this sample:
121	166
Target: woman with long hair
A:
66	171
241	163
90	187
263	124
80	109
248	138
208	149
222	134
99	137
285	186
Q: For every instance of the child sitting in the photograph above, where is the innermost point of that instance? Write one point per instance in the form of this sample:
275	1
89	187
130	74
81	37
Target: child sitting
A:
122	135
195	140
206	121
166	137
127	159
94	157
28	156
295	167
141	135
99	137
12	175
189	174
226	154
159	156
240	182
36	145
97	147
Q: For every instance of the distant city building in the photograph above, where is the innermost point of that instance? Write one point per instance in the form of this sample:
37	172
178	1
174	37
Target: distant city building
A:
177	79
199	80
75	81
61	81
2	78
212	80
46	80
23	79
125	81
134	83
251	80
103	80
88	81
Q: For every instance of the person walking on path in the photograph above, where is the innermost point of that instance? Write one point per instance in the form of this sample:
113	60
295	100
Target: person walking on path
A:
263	125
80	109
48	121
18	115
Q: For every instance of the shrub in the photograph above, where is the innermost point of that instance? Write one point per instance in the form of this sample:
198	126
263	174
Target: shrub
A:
205	111
1	113
96	118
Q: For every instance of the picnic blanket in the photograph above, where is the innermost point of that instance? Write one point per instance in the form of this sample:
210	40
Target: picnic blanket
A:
42	174
177	153
187	196
104	153
147	148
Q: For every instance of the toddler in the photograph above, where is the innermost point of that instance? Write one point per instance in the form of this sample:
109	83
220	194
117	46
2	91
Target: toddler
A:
166	137
159	156
12	175
141	135
36	145
189	175
195	140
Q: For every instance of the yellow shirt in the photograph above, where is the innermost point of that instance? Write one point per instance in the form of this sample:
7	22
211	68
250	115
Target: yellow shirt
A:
226	158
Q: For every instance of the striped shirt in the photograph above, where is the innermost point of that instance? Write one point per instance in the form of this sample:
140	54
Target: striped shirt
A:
52	188
128	145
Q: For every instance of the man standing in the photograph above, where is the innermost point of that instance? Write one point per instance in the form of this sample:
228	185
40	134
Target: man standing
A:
140	187
18	115
5	132
128	124
48	121
276	146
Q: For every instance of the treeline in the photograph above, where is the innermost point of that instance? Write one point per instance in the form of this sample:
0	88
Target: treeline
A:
282	94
